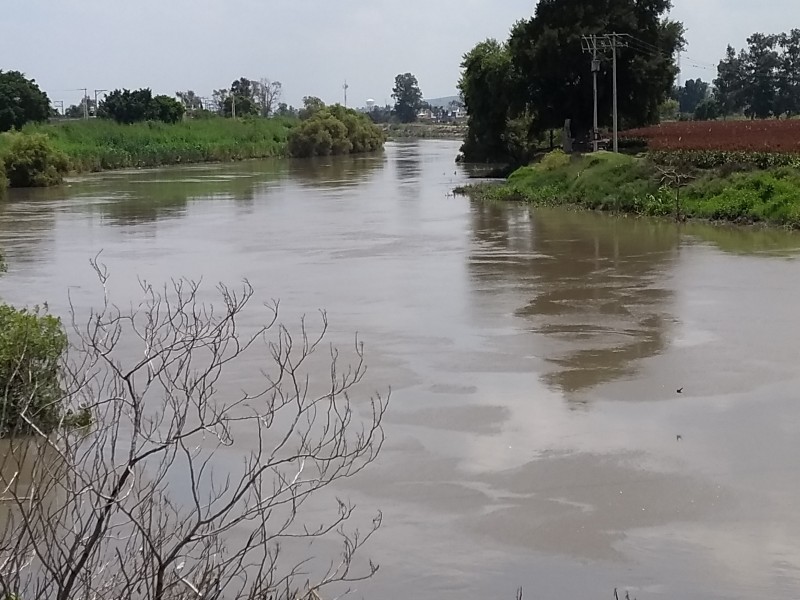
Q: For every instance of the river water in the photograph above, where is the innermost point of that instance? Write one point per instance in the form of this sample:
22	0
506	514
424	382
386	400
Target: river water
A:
535	436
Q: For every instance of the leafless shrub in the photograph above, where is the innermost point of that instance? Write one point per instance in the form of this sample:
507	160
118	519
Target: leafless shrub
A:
158	499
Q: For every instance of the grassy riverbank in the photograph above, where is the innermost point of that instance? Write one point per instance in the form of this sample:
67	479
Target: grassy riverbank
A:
640	186
98	145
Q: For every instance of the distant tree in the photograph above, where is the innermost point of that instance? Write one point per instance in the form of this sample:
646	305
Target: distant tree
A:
242	92
267	95
761	66
190	100
788	75
284	110
693	92
21	101
125	106
87	106
218	99
669	110
380	114
407	97
707	110
166	109
311	106
730	82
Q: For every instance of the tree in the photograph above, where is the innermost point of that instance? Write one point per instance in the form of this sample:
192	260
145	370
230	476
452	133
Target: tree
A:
693	92
730	82
87	106
707	110
125	106
242	93
760	65
166	109
311	106
554	74
284	110
191	101
788	74
21	101
184	487
268	95
487	82
407	97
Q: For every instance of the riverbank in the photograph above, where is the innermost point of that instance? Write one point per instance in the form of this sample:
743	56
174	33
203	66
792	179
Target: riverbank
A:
640	185
100	145
441	131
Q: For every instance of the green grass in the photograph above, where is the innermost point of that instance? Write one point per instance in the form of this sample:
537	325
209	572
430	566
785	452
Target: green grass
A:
627	184
98	145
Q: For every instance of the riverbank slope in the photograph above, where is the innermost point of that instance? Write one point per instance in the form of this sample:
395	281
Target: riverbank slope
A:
640	185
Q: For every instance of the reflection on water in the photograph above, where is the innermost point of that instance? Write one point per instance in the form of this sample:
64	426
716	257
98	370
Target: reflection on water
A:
595	287
335	171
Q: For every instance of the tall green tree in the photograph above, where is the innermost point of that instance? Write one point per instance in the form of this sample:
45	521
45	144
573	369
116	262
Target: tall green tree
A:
730	82
556	74
407	97
21	101
761	68
547	78
788	74
487	83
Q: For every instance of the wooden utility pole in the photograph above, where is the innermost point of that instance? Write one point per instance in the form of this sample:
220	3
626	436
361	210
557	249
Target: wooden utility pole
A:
590	45
606	42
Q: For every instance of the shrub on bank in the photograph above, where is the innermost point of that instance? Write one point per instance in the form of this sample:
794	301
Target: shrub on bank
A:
335	130
32	343
33	161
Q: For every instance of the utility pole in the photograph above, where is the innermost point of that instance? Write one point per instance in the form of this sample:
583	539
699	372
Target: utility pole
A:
616	113
345	87
233	106
590	45
85	103
612	42
96	105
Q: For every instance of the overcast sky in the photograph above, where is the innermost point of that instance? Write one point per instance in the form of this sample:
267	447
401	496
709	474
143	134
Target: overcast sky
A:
311	46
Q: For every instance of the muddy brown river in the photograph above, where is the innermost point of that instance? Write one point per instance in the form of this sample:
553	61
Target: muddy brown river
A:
535	436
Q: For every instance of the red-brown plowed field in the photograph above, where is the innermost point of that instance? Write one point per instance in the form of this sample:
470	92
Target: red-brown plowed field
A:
753	136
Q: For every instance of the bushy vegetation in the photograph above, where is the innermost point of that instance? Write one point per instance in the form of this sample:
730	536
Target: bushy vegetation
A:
636	185
334	130
125	106
32	160
32	343
21	101
99	144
